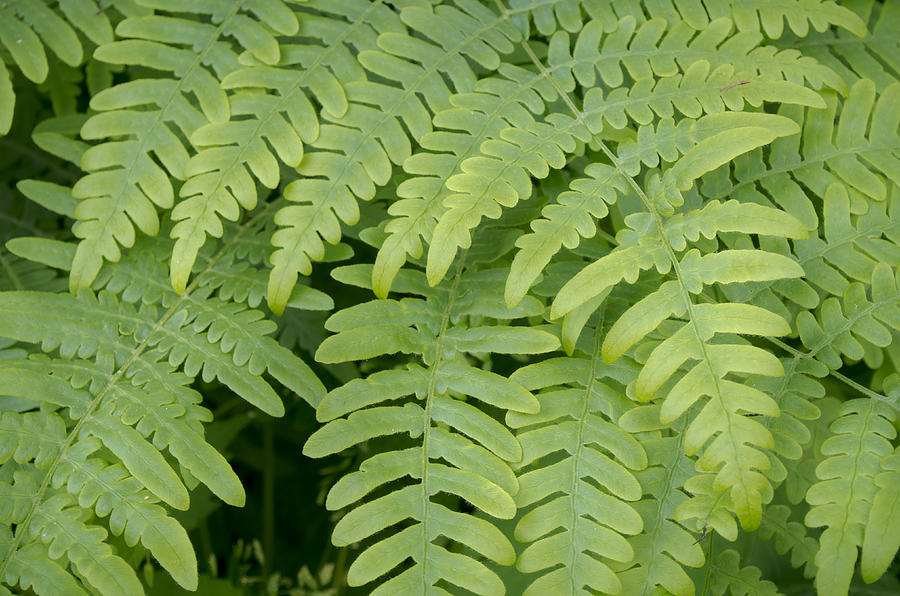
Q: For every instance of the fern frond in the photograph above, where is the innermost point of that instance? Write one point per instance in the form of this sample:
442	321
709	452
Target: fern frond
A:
693	93
801	473
789	536
842	498
753	16
725	575
124	184
119	381
665	546
856	326
845	254
474	447
371	140
873	56
497	177
593	510
561	224
32	567
61	526
272	100
649	244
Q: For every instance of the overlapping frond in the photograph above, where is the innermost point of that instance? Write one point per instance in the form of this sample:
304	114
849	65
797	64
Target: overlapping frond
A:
456	447
564	222
856	150
665	547
360	146
273	117
451	198
732	456
735	163
577	500
148	119
114	397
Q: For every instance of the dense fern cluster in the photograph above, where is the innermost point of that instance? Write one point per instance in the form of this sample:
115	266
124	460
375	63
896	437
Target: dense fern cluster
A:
614	287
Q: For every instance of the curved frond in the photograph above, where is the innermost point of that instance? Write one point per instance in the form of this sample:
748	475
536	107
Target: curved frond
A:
496	177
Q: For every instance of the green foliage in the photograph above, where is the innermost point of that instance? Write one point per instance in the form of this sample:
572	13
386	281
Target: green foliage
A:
618	309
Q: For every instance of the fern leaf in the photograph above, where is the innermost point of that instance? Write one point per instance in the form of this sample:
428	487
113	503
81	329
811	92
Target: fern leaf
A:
626	262
220	181
594	510
31	436
664	547
855	326
769	16
766	15
693	93
62	528
32	567
125	185
26	27
133	513
843	256
470	30
842	498
473	447
539	247
789	536
498	178
561	225
141	459
851	56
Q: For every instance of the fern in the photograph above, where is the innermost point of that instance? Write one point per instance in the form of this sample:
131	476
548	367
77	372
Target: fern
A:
748	16
571	419
583	291
475	447
846	486
124	183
